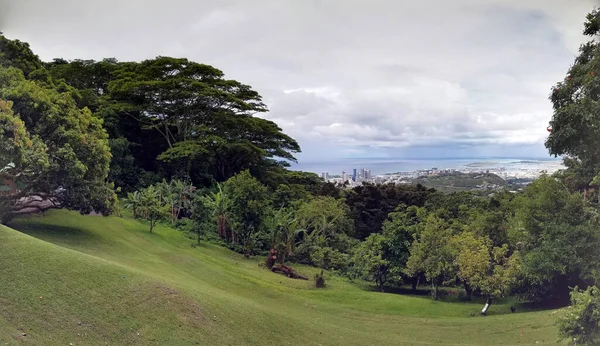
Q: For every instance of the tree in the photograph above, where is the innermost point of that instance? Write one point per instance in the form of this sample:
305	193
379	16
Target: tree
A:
133	202
76	145
248	202
558	240
23	159
218	204
492	270
151	208
206	121
575	124
580	322
370	204
15	53
328	227
284	232
369	261
433	254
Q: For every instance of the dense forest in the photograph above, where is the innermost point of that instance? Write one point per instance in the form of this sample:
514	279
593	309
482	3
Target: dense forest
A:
175	141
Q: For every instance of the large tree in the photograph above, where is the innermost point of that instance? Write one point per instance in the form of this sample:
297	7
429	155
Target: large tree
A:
558	238
206	122
575	124
72	164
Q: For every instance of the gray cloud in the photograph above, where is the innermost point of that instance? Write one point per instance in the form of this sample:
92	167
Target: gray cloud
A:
348	77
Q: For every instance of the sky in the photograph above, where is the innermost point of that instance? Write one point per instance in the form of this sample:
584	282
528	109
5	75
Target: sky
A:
347	78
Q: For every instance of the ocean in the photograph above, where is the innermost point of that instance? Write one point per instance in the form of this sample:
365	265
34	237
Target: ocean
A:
380	166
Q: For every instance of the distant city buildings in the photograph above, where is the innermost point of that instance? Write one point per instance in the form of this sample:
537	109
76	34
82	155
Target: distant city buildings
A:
345	177
364	175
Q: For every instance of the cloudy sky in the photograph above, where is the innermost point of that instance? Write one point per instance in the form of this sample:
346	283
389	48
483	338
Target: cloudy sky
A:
347	78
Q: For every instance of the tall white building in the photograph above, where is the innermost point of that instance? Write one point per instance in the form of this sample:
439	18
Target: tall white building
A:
325	176
345	176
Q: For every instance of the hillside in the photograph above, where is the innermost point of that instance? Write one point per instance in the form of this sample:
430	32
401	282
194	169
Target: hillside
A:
458	181
90	280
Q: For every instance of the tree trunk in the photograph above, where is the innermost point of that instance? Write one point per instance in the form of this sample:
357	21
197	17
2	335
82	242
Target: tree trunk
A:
379	281
435	290
487	306
415	283
468	290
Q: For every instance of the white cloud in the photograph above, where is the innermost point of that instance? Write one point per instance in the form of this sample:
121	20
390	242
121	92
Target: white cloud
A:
347	75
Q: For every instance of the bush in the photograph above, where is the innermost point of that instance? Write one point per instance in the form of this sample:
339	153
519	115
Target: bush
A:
320	280
579	323
328	258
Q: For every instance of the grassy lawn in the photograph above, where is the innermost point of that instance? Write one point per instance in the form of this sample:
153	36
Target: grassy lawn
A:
88	280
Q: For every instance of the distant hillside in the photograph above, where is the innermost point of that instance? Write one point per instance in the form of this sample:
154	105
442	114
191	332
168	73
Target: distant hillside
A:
457	181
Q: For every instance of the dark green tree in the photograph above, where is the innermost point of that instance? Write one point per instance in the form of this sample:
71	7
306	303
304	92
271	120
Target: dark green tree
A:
247	205
77	147
575	124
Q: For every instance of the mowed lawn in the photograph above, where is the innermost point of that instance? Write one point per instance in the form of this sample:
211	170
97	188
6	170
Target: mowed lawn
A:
88	280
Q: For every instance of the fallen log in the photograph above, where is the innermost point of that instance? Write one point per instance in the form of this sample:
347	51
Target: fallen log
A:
289	272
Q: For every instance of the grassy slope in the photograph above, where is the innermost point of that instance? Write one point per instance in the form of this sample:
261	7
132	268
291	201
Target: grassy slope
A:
104	280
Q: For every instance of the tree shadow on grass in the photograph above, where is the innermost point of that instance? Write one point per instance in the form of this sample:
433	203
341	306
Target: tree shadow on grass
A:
53	233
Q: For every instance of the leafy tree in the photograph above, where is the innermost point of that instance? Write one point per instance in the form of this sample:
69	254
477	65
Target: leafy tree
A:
151	208
481	266
248	202
15	53
218	205
124	172
580	322
327	225
558	240
205	120
433	254
133	202
284	232
369	260
400	230
370	204
575	125
78	155
23	159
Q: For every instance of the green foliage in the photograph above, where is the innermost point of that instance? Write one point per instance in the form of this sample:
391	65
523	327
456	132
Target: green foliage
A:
370	204
206	122
76	145
327	225
123	171
17	54
246	203
492	270
284	232
575	130
149	205
559	241
433	254
580	322
369	262
320	280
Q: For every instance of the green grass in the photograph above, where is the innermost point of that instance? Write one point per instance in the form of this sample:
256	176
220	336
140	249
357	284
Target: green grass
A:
109	281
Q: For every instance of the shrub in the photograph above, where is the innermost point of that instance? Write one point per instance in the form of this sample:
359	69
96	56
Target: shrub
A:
320	280
580	322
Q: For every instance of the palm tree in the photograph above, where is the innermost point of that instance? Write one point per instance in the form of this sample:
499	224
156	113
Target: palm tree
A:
285	230
218	203
132	202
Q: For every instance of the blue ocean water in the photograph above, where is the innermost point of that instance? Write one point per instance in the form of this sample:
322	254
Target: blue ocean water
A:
392	165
